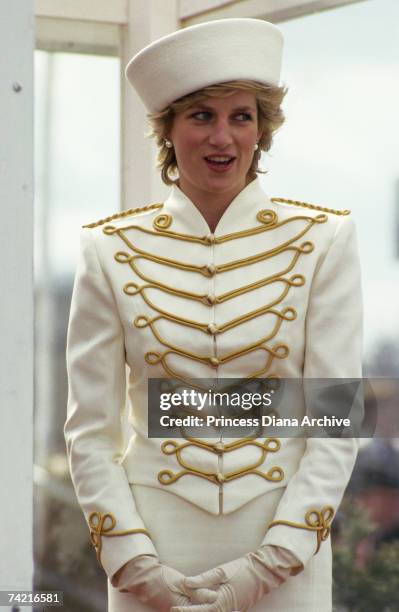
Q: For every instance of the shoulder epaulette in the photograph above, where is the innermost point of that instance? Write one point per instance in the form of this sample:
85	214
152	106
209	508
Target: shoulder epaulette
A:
312	206
124	213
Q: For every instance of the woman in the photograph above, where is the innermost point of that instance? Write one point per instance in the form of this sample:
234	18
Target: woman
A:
218	281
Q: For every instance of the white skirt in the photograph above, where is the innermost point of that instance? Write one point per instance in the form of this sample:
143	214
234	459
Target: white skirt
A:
191	540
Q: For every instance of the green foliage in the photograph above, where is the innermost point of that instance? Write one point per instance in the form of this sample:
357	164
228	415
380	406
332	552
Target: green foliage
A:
373	587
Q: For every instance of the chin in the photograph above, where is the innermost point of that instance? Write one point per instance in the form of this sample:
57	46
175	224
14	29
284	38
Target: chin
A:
223	182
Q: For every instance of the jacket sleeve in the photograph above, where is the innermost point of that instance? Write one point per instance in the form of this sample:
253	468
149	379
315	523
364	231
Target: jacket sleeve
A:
93	429
333	350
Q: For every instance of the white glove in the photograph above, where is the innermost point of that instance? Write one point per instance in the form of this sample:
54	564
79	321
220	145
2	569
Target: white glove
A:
157	585
241	583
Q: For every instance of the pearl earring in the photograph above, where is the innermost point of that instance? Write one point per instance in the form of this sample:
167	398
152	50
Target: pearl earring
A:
168	144
256	146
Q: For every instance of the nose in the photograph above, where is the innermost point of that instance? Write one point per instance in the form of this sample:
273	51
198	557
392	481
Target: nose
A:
220	135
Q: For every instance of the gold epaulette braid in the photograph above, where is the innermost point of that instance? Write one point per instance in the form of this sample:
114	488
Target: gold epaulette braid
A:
124	213
312	206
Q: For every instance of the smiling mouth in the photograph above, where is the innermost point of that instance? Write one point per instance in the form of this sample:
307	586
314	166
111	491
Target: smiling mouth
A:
220	160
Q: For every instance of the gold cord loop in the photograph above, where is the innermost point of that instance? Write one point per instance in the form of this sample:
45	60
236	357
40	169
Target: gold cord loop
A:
103	525
315	520
162	222
268	217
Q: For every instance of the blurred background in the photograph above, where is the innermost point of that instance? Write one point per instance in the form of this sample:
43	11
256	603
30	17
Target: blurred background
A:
338	148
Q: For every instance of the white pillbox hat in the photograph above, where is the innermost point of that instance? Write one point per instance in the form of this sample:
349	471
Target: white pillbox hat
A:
205	54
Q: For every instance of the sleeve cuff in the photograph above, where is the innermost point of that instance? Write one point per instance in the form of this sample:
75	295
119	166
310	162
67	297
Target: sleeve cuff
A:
302	539
118	551
114	548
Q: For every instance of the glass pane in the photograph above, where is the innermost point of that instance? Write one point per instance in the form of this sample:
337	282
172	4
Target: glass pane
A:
339	146
77	120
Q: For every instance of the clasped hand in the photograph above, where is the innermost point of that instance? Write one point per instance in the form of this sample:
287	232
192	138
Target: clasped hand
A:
237	585
241	583
157	585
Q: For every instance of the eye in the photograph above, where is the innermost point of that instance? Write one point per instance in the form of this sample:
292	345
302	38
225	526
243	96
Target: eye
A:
201	115
246	117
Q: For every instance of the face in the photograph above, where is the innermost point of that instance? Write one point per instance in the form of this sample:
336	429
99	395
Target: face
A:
214	144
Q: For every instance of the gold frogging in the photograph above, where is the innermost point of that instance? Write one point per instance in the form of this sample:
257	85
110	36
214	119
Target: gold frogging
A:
269	445
268	220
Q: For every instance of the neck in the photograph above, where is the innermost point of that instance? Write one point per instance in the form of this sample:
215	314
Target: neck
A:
213	207
210	204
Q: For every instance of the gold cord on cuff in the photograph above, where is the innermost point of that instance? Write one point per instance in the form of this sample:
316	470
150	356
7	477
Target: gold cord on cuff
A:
102	525
315	520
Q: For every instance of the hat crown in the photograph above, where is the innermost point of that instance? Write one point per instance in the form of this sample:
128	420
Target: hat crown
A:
205	54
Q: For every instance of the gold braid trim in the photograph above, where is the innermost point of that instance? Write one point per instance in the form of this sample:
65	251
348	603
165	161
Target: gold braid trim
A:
98	528
335	211
162	222
280	351
287	314
316	520
269	220
171	447
204	269
131	288
124	213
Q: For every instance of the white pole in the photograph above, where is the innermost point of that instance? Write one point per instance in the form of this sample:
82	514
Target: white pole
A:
16	302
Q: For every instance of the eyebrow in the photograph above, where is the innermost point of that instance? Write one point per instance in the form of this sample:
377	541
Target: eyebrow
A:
237	109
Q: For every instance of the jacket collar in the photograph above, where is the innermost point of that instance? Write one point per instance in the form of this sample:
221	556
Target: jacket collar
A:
240	214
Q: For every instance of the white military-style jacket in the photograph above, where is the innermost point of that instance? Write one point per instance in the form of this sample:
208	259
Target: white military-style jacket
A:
274	291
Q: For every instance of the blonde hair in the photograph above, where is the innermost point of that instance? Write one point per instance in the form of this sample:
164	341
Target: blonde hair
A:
270	118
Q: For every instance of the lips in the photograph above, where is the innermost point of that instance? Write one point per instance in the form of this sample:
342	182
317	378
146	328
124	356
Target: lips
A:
219	162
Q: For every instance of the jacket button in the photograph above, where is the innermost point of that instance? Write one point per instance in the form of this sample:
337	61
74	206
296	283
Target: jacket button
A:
212	328
211	298
220	477
210	239
214	361
211	269
219	446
